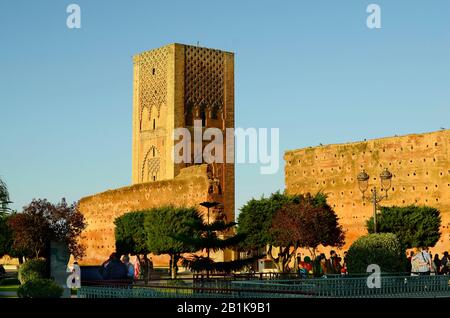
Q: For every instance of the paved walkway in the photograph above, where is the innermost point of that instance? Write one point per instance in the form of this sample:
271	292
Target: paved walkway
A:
8	294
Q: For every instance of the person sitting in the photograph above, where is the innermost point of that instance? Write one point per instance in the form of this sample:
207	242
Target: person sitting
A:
305	267
115	269
129	265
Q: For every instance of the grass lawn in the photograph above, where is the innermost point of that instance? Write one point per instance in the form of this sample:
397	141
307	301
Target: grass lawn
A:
8	289
12	288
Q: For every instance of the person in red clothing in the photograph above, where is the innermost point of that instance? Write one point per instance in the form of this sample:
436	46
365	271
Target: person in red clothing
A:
305	267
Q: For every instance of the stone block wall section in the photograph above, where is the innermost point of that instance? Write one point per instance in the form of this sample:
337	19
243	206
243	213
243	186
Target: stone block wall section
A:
189	188
420	164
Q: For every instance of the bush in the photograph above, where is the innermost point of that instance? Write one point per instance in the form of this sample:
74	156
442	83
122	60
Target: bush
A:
40	288
9	282
176	283
415	226
382	249
32	269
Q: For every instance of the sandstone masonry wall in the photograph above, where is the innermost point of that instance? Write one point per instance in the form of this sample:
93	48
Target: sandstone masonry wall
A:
189	188
420	165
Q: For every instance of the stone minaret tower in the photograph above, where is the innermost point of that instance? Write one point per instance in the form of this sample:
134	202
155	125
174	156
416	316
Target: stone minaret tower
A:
173	86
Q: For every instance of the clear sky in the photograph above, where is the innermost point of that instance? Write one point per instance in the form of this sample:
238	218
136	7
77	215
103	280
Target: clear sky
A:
311	68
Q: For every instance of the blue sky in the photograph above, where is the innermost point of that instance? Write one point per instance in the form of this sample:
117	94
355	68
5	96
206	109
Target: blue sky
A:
311	68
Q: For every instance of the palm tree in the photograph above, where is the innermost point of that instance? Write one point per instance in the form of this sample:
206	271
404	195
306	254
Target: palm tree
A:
4	198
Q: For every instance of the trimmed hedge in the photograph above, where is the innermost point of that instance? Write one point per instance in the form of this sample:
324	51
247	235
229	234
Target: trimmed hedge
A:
9	282
32	269
382	249
40	288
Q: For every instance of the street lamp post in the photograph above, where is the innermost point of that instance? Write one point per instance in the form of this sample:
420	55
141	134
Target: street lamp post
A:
363	182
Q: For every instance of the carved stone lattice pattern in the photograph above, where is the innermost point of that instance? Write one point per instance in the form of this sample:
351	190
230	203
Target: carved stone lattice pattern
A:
153	168
204	79
153	80
151	165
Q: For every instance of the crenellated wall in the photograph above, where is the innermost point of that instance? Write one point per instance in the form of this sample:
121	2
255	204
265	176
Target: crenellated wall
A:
420	165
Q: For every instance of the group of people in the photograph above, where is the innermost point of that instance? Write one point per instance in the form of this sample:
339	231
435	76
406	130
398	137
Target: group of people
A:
421	262
322	265
116	268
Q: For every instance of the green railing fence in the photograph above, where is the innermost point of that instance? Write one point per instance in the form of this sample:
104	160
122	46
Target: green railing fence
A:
338	286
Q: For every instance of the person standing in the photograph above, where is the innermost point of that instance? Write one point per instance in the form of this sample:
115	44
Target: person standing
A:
345	259
445	264
150	268
421	263
331	263
409	263
323	265
137	268
437	264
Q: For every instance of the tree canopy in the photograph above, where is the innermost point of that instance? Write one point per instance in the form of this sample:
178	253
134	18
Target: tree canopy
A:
415	226
309	223
6	237
130	234
41	222
4	198
162	227
255	219
284	223
215	236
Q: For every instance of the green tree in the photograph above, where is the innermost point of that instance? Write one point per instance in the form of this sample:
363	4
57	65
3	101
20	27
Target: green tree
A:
163	225
6	237
4	198
130	234
215	236
131	238
415	226
283	222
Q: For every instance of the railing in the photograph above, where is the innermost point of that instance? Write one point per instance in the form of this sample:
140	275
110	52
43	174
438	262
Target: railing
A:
390	286
340	286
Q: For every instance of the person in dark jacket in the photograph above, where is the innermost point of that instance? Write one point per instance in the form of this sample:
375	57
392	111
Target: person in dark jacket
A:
115	269
445	264
331	264
2	270
436	265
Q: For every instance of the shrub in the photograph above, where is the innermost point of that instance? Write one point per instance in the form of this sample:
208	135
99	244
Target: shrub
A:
415	226
9	282
40	288
382	249
176	283
32	269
